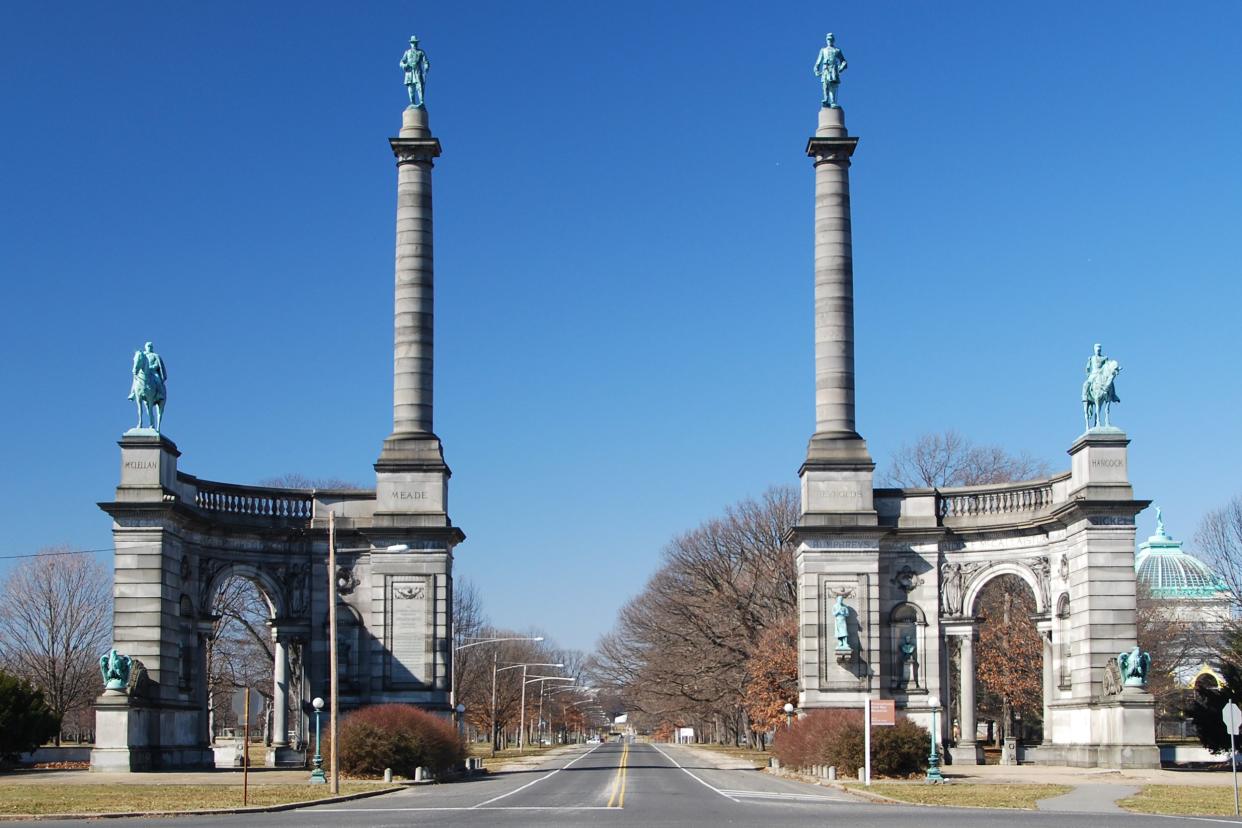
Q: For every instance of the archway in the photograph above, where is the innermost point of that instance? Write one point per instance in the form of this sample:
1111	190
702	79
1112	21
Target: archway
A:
1008	692
247	648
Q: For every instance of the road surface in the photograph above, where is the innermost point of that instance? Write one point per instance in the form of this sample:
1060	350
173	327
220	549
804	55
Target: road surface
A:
637	785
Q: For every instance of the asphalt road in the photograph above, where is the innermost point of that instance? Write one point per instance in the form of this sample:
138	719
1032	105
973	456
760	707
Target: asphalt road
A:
638	785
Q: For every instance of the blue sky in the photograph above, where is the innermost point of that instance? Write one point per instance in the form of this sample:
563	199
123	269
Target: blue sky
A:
623	253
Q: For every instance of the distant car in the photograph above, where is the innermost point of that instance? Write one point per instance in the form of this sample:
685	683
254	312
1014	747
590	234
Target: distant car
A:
594	740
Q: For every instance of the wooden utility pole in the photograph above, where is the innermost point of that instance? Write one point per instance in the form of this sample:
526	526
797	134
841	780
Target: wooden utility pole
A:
246	748
332	665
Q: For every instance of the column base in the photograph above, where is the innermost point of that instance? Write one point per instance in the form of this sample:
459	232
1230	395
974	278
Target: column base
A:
283	756
966	753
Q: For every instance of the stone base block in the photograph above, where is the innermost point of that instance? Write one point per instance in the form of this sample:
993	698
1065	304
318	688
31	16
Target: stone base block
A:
131	735
285	757
966	753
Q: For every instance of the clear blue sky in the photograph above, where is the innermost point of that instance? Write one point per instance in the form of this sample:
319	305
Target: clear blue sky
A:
623	253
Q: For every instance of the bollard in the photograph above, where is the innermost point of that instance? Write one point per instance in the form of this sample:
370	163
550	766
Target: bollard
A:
387	774
832	774
418	774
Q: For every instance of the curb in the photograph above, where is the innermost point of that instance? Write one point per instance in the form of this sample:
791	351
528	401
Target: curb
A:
262	809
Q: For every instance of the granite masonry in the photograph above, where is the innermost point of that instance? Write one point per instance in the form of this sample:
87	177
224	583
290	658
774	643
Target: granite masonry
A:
910	563
178	538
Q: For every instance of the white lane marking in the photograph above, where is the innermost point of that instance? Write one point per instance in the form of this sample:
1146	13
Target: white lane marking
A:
475	807
691	775
780	795
540	779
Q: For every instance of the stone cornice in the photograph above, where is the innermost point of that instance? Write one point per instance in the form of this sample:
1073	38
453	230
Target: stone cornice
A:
415	150
831	149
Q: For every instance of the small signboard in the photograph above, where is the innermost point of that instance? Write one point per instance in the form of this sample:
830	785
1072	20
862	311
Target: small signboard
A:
1231	716
883	712
239	705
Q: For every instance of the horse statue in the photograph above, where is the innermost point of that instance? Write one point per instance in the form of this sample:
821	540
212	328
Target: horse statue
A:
148	389
1099	394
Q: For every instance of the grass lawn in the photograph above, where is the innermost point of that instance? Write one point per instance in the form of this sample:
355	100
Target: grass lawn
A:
95	799
758	758
978	795
484	750
1182	800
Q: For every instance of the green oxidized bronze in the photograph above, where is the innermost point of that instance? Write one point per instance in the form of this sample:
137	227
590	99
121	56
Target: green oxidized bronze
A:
828	68
115	670
1134	666
1098	393
841	614
415	65
148	390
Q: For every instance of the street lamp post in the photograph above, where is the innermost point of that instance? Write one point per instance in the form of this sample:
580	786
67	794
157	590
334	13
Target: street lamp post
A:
317	777
541	680
789	709
933	759
495	670
475	642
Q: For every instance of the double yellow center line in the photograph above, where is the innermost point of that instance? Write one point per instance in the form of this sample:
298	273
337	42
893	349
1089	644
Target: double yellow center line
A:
617	800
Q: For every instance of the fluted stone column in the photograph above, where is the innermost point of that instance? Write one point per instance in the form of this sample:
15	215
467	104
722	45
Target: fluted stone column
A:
837	474
413	439
1045	637
834	276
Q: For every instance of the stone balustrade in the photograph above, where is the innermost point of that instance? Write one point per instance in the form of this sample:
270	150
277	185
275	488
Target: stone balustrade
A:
1001	502
258	501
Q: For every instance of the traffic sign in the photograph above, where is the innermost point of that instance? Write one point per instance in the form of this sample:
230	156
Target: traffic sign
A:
1232	717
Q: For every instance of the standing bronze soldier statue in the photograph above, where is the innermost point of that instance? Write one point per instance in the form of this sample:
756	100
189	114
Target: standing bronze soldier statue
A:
415	64
828	68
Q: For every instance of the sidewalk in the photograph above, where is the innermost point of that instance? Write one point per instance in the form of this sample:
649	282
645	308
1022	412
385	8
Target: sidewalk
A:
227	776
1061	775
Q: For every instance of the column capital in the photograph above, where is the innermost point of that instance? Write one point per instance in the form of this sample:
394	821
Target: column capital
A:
415	150
962	629
831	149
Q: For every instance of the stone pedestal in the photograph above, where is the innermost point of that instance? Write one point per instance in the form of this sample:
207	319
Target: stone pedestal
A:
133	735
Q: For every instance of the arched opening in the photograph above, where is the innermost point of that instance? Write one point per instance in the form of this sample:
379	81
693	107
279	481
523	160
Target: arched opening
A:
240	655
249	646
1009	671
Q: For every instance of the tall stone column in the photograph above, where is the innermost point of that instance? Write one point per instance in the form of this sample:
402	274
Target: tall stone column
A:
1045	636
968	751
834	276
280	695
413	439
837	474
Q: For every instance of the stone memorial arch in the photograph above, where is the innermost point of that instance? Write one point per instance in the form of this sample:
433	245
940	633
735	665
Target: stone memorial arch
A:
909	564
179	537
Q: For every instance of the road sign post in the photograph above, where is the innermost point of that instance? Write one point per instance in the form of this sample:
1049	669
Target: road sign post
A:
881	713
1232	717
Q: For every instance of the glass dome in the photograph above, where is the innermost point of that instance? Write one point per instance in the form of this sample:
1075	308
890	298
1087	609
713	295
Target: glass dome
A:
1168	572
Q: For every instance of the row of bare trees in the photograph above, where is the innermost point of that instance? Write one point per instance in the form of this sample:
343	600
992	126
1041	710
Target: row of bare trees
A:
558	709
710	642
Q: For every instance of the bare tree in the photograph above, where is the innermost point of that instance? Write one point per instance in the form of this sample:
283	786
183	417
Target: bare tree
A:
240	652
680	649
296	480
950	459
1219	539
55	622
